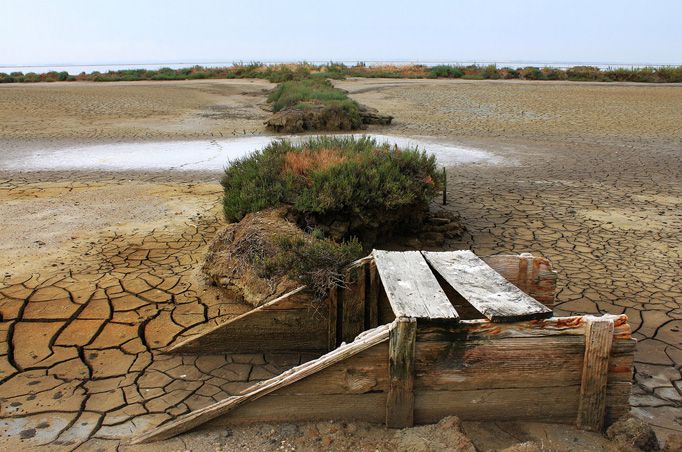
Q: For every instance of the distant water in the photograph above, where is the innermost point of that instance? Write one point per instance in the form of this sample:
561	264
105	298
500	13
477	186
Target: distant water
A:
200	155
88	68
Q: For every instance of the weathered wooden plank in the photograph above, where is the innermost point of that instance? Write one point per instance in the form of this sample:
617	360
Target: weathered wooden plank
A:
363	373
285	323
532	274
500	363
485	329
372	298
486	290
598	340
411	287
201	416
548	404
401	356
352	299
307	407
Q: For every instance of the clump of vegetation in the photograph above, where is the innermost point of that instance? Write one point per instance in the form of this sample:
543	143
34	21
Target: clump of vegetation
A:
343	186
299	93
318	263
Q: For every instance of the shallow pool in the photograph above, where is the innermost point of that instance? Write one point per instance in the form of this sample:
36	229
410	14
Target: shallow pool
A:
200	155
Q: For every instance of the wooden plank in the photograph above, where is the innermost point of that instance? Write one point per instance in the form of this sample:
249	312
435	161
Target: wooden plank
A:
598	340
201	416
367	407
352	299
289	323
363	373
549	404
486	290
401	356
499	363
372	298
485	329
411	287
532	274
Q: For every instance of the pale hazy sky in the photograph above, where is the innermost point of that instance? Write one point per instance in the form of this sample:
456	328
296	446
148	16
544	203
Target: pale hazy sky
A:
136	31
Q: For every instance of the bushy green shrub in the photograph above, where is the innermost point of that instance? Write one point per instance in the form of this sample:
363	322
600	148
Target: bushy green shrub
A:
293	92
356	180
446	71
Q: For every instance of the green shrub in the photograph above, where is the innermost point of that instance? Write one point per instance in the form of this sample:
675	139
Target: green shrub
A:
356	181
290	93
446	71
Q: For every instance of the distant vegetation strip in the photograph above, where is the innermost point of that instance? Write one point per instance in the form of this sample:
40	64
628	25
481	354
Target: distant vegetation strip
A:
283	72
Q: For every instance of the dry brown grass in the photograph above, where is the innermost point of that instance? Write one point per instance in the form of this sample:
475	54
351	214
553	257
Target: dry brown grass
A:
301	163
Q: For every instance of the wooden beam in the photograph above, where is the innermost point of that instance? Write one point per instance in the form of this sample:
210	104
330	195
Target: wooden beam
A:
411	287
201	416
401	356
598	340
484	288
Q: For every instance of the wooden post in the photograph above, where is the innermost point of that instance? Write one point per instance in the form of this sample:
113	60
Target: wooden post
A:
401	360
592	406
445	187
372	299
333	301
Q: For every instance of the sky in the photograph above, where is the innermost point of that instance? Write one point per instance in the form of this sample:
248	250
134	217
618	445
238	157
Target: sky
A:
38	32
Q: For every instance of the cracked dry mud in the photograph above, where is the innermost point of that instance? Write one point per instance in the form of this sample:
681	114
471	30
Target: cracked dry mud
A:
84	315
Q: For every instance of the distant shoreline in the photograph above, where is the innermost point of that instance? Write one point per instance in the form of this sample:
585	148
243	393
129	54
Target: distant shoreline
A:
339	70
75	68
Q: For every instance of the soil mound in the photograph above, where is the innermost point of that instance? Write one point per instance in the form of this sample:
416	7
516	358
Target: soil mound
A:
231	255
320	117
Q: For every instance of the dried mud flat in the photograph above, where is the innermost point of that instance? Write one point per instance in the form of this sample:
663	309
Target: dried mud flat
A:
99	273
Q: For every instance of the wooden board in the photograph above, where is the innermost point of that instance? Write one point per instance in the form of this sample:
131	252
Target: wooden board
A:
194	419
484	288
411	287
532	274
292	322
352	299
368	407
548	404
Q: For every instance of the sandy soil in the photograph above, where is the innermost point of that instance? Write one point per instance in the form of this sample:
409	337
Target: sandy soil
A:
596	186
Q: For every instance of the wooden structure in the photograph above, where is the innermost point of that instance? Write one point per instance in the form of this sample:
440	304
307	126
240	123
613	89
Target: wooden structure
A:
295	322
429	361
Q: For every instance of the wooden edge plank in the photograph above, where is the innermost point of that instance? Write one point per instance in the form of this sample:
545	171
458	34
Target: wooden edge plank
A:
372	297
574	325
194	419
523	307
598	341
407	295
188	342
401	366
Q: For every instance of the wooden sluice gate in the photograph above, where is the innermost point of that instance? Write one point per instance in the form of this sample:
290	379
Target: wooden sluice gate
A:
413	337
